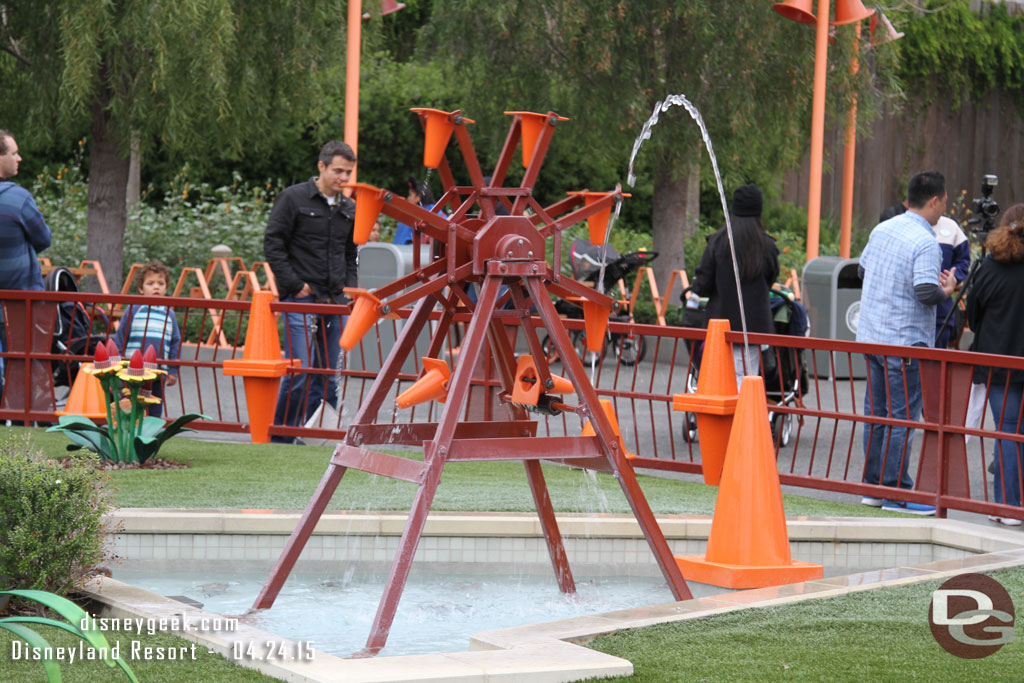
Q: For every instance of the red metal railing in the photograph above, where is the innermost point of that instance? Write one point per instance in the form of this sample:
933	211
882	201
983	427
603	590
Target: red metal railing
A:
824	451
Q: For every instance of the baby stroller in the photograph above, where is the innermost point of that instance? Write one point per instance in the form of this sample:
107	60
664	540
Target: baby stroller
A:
784	369
586	260
72	327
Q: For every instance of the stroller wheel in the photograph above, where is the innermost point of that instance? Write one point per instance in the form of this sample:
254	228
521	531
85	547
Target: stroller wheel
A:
690	428
579	342
550	353
782	429
631	349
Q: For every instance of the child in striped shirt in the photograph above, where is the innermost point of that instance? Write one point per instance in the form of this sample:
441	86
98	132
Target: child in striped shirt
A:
145	325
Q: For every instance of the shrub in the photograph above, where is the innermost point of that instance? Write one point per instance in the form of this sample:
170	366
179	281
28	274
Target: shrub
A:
51	532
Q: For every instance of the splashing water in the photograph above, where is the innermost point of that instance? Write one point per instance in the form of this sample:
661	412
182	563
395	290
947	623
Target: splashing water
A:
645	134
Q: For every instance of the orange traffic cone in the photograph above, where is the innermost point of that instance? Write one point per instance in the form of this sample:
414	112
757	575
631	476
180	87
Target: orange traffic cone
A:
749	546
715	400
260	366
527	389
86	397
432	384
365	314
437	131
609	411
595	320
368	202
597	224
530	126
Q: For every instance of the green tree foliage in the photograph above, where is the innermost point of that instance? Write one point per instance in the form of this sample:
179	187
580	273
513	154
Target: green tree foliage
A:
605	63
196	78
970	52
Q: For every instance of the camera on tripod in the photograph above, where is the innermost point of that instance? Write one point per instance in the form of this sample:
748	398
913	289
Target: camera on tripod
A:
984	208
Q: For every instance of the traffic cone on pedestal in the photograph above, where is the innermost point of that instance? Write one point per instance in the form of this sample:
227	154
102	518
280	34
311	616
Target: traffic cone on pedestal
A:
714	402
749	545
260	366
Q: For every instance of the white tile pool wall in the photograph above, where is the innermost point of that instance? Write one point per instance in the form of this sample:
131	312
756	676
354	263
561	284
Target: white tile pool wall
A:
474	554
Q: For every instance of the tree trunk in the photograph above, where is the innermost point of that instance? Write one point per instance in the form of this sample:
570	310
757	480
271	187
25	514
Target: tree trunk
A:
108	181
134	175
675	213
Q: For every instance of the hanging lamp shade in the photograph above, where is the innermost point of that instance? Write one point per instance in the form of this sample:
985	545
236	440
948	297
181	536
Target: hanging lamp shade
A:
797	10
850	12
386	7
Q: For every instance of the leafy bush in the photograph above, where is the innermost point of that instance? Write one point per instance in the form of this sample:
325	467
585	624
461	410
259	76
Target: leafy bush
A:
177	224
51	533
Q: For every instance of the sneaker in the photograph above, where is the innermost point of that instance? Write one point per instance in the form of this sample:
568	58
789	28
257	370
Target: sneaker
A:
871	502
909	508
1006	521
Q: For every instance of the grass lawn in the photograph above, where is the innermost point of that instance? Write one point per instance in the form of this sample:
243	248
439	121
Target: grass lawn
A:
229	475
878	635
205	668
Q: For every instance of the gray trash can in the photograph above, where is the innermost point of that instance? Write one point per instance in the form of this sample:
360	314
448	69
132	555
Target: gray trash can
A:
832	298
381	263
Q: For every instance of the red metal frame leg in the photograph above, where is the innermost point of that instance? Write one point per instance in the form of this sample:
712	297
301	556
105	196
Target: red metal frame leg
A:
623	470
434	455
297	541
547	520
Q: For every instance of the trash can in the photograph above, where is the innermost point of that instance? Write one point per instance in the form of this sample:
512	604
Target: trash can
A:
832	297
381	263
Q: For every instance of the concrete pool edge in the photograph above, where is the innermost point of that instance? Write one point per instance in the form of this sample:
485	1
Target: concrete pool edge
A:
548	651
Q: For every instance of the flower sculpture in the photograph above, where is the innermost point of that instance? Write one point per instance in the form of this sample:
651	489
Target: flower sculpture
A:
130	435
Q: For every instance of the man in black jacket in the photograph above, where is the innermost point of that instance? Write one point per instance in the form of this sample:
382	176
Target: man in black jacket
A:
309	247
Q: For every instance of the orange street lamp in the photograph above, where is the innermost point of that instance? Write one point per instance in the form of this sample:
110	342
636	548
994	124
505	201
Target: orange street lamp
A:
847	12
355	37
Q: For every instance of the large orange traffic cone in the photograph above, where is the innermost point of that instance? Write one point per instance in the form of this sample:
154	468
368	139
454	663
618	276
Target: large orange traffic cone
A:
749	546
432	384
597	224
715	400
365	314
527	389
86	397
368	202
260	366
609	411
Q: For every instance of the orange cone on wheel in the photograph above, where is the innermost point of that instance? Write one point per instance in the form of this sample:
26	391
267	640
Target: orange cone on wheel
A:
715	400
527	388
595	320
609	411
365	314
749	545
432	385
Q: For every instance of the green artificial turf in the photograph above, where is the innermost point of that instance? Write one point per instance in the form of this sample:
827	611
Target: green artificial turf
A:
271	476
877	635
206	667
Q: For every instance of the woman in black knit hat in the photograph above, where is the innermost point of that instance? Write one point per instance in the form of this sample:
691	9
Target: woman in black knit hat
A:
757	259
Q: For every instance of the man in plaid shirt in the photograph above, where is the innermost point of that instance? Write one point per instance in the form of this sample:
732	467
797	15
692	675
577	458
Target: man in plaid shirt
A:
903	281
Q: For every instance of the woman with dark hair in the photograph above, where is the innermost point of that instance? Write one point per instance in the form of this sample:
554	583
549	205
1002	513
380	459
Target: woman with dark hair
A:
757	260
421	195
995	308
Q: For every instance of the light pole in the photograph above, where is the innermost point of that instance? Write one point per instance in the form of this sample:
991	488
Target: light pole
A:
847	12
354	38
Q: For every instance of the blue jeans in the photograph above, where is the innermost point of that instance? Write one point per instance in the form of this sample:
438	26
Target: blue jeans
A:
1007	454
887	448
296	401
